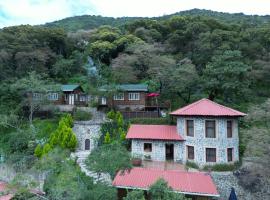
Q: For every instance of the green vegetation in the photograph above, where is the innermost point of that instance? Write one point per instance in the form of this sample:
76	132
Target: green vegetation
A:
166	120
80	115
135	195
222	167
184	57
62	137
161	191
190	164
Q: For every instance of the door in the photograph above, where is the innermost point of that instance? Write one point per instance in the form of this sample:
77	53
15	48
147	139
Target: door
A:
71	99
103	101
87	144
169	148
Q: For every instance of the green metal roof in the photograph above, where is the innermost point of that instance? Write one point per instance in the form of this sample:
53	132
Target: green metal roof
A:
125	87
133	87
68	88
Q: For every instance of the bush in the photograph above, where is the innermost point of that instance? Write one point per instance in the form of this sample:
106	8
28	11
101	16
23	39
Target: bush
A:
80	115
151	121
222	167
190	164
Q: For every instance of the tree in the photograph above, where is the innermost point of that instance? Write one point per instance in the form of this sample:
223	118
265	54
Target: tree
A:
135	195
33	83
160	191
109	158
226	76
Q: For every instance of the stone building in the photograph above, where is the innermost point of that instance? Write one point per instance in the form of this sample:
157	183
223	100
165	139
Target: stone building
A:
206	133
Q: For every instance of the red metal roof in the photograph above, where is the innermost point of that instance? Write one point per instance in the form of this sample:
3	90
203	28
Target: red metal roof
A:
196	183
206	107
154	132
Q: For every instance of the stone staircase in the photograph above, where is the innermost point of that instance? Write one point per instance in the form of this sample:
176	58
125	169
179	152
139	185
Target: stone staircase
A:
97	177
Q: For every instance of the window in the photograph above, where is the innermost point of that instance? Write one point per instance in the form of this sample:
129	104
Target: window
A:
190	152
210	128
210	155
53	96
147	147
37	96
133	96
119	96
190	128
230	154
229	129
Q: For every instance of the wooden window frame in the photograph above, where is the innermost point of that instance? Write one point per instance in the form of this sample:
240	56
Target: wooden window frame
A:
188	146
231	155
145	149
53	96
210	161
215	128
134	96
119	97
231	129
187	128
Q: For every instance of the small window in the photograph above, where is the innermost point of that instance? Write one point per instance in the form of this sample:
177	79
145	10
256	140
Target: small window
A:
230	154
147	147
82	98
210	154
190	128
133	96
210	128
190	152
229	129
119	96
53	96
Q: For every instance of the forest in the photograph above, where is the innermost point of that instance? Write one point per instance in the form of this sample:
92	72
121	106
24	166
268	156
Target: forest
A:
185	56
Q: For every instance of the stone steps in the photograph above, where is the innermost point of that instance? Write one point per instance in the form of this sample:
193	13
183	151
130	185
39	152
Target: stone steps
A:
81	157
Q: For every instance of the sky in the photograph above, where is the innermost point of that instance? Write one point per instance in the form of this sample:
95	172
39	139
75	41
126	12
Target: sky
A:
16	12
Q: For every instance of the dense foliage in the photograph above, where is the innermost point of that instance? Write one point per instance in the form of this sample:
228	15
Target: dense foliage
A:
184	57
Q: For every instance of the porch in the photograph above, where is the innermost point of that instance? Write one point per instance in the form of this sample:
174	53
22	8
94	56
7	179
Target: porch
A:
166	165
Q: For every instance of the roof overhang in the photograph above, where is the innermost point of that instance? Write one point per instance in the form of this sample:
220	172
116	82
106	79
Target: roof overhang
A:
180	192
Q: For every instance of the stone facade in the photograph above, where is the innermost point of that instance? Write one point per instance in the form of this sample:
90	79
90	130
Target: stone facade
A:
158	149
84	132
199	142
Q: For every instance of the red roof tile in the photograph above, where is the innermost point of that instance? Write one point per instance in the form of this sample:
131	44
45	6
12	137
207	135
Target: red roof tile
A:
206	107
196	183
154	132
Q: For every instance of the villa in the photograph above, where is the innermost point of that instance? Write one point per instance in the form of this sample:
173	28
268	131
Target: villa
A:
206	133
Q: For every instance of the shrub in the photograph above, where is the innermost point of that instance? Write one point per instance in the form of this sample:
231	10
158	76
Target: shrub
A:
150	121
190	164
222	167
80	115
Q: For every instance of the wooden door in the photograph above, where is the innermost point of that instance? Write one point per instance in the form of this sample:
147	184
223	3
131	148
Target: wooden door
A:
87	144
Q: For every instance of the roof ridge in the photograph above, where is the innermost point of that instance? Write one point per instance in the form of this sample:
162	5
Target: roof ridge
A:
190	105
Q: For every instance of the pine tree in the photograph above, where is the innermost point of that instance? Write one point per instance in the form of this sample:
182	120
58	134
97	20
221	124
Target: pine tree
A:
107	139
46	149
38	151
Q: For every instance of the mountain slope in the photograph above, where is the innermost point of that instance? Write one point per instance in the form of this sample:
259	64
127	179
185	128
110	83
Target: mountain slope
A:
87	22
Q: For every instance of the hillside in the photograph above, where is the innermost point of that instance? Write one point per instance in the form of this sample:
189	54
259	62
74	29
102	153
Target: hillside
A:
87	22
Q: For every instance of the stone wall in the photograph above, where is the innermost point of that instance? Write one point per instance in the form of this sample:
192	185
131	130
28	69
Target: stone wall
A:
87	131
200	143
158	149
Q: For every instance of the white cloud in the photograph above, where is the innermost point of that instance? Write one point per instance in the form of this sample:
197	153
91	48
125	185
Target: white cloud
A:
14	12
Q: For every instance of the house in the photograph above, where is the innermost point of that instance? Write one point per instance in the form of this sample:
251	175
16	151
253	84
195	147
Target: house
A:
197	185
125	97
206	133
71	94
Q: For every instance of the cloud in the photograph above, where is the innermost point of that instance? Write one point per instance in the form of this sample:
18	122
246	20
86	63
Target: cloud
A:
15	12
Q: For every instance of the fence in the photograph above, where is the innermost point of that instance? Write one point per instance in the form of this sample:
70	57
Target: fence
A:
140	114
